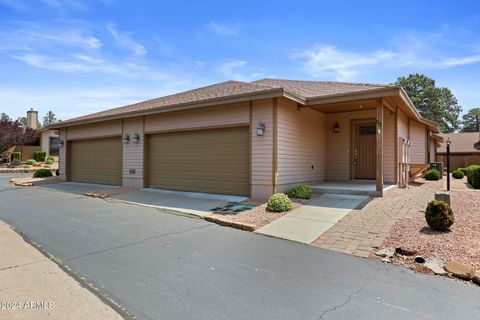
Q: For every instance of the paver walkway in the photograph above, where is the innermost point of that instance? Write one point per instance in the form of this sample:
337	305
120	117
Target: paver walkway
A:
363	230
308	222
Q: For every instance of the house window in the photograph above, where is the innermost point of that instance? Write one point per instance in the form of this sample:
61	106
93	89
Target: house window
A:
367	130
54	146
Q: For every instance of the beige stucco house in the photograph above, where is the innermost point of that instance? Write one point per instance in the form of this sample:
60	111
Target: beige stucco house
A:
252	139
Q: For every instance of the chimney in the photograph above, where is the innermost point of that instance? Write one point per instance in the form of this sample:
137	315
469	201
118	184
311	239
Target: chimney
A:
32	119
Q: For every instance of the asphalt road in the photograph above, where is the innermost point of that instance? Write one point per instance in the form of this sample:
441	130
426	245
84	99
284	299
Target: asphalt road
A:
164	266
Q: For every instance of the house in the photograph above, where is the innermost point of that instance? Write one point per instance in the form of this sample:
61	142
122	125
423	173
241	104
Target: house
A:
49	141
252	138
462	150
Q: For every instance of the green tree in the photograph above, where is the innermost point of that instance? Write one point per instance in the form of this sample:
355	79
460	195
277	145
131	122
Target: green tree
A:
469	120
49	118
4	117
434	103
23	121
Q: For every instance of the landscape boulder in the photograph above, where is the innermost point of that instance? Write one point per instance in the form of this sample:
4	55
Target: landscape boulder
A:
459	270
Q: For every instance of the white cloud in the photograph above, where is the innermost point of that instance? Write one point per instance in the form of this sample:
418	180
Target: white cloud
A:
62	5
125	41
224	29
331	62
236	69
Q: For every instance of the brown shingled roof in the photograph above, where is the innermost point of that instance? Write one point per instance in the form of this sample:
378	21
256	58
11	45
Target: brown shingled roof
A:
460	142
302	90
310	89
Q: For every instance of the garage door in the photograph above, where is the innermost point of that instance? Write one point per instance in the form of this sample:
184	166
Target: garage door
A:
212	161
96	161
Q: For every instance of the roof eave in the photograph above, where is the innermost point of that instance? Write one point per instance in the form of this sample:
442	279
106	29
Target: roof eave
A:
264	94
349	96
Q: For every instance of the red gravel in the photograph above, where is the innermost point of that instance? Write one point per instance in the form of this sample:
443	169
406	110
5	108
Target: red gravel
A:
462	243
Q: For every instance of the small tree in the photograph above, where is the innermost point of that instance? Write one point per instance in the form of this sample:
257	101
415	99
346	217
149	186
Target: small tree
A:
49	118
470	122
12	133
4	117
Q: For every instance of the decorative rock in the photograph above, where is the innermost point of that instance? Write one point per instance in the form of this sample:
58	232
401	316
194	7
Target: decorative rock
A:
476	278
386	253
443	196
436	265
386	259
405	251
459	270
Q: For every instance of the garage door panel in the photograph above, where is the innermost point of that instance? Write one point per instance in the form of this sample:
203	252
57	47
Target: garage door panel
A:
214	161
96	161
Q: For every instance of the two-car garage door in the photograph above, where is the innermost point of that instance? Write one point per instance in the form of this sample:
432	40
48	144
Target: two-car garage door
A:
213	161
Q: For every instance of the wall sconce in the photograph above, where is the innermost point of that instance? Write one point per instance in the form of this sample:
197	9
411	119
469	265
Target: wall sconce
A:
260	128
336	128
126	138
61	142
136	138
379	127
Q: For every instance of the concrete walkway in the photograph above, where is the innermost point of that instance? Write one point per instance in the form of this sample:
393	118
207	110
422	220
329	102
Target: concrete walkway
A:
309	222
34	287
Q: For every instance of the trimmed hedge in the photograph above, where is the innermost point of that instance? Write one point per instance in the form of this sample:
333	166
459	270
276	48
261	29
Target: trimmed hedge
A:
16	155
49	161
300	192
279	202
39	156
470	170
40	173
432	174
31	162
464	170
458	174
475	177
439	215
50	158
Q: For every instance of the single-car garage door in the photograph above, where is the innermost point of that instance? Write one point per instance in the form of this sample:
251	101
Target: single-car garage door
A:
212	161
96	161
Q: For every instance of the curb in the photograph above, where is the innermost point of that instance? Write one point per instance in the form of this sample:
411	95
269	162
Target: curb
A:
232	224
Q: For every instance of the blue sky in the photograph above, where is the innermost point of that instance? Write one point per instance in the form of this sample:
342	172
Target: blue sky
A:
76	57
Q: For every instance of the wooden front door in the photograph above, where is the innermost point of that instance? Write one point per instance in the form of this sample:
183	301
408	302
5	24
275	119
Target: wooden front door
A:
364	150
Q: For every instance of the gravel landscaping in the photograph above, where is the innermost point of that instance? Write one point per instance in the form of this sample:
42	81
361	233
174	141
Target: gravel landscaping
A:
259	216
460	244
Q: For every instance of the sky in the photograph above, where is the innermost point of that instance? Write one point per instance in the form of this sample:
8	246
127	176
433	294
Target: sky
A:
75	57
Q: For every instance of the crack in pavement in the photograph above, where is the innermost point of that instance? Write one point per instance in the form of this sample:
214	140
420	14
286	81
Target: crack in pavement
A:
351	295
137	242
22	265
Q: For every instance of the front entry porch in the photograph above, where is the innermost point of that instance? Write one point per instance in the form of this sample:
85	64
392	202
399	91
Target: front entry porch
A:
353	187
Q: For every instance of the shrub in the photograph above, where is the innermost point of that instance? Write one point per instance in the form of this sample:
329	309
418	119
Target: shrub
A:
47	166
458	174
15	163
26	166
279	202
300	192
470	170
432	174
439	215
475	177
40	173
464	170
49	161
16	155
31	162
39	156
50	158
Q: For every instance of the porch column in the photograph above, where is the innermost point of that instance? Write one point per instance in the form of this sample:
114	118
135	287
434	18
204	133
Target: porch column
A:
379	149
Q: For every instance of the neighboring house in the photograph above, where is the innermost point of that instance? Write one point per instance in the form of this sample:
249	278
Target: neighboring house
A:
462	150
251	139
49	142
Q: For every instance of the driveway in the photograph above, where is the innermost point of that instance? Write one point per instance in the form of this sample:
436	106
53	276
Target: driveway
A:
163	266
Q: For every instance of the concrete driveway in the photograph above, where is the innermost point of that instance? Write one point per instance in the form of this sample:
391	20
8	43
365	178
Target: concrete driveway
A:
163	266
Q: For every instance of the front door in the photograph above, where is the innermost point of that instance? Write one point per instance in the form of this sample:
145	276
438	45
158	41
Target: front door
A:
364	150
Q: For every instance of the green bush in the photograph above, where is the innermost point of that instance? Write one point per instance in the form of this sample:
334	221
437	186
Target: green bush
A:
16	155
458	174
439	215
31	162
464	170
300	192
15	163
470	170
26	166
40	173
432	174
50	158
475	177
49	161
279	202
39	156
47	166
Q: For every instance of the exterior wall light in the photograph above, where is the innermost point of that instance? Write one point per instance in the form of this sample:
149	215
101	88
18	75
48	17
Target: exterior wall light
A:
260	128
336	128
126	138
61	142
136	138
